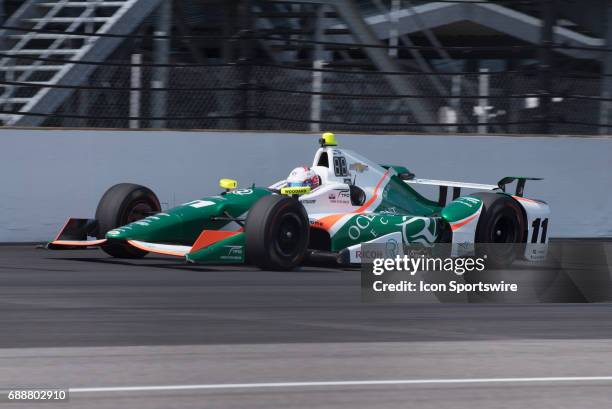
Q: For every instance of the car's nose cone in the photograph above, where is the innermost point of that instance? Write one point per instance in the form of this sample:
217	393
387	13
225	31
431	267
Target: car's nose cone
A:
159	227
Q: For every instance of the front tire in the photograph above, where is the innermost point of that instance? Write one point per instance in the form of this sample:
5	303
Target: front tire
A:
500	230
277	233
122	204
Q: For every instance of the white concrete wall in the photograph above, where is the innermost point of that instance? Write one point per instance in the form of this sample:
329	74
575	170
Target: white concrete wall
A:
48	175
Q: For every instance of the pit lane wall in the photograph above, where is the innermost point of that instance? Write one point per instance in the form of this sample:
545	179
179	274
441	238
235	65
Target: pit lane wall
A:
48	175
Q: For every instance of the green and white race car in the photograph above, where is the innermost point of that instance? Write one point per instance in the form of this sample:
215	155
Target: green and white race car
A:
280	227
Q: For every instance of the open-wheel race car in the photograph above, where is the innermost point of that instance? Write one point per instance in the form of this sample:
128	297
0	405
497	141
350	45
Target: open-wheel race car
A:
345	201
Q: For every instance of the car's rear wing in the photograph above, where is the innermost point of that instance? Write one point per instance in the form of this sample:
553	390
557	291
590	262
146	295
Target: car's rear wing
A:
449	183
445	184
457	186
520	184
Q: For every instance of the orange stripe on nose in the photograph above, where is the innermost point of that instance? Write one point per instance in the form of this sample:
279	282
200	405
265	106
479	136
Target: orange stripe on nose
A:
210	237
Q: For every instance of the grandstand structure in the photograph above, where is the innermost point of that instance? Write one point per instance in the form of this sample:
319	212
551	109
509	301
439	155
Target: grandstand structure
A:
527	66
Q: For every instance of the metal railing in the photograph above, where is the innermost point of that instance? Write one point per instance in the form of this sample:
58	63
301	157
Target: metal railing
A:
260	95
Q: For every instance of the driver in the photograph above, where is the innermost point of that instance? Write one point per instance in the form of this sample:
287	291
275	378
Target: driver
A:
303	176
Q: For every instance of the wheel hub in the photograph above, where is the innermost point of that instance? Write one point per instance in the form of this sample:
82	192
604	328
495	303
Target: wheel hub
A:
289	235
503	232
138	212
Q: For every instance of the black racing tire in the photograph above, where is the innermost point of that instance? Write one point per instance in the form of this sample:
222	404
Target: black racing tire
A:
277	233
500	230
122	204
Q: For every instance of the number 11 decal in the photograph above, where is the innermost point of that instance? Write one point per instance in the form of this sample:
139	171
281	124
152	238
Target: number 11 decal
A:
537	223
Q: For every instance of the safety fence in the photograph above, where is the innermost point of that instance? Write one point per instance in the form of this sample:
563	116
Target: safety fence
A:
254	94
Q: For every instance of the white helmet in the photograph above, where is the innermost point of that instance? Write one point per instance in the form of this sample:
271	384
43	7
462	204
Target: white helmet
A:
303	176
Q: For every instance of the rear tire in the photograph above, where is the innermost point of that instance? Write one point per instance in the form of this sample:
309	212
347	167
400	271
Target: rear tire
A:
277	233
500	230
122	204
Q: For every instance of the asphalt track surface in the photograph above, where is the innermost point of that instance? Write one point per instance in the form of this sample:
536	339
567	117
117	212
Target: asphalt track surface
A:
234	337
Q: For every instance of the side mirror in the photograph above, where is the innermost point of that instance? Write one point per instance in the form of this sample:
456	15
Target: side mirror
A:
406	175
228	184
358	196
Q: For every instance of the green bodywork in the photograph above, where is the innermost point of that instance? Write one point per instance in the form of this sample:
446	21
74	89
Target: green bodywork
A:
461	208
402	209
400	197
369	226
183	224
397	168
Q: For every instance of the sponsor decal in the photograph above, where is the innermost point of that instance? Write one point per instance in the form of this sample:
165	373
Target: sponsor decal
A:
233	253
308	201
425	235
295	190
340	196
241	192
392	211
470	202
369	254
536	252
358	167
362	223
465	247
391	248
199	203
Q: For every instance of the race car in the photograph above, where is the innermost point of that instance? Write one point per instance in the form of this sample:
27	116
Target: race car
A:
348	201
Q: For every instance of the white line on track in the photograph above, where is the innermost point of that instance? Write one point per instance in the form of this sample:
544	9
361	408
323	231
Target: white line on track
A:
342	383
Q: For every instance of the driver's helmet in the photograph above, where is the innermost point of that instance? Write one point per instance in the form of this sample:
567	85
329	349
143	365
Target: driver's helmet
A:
303	176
